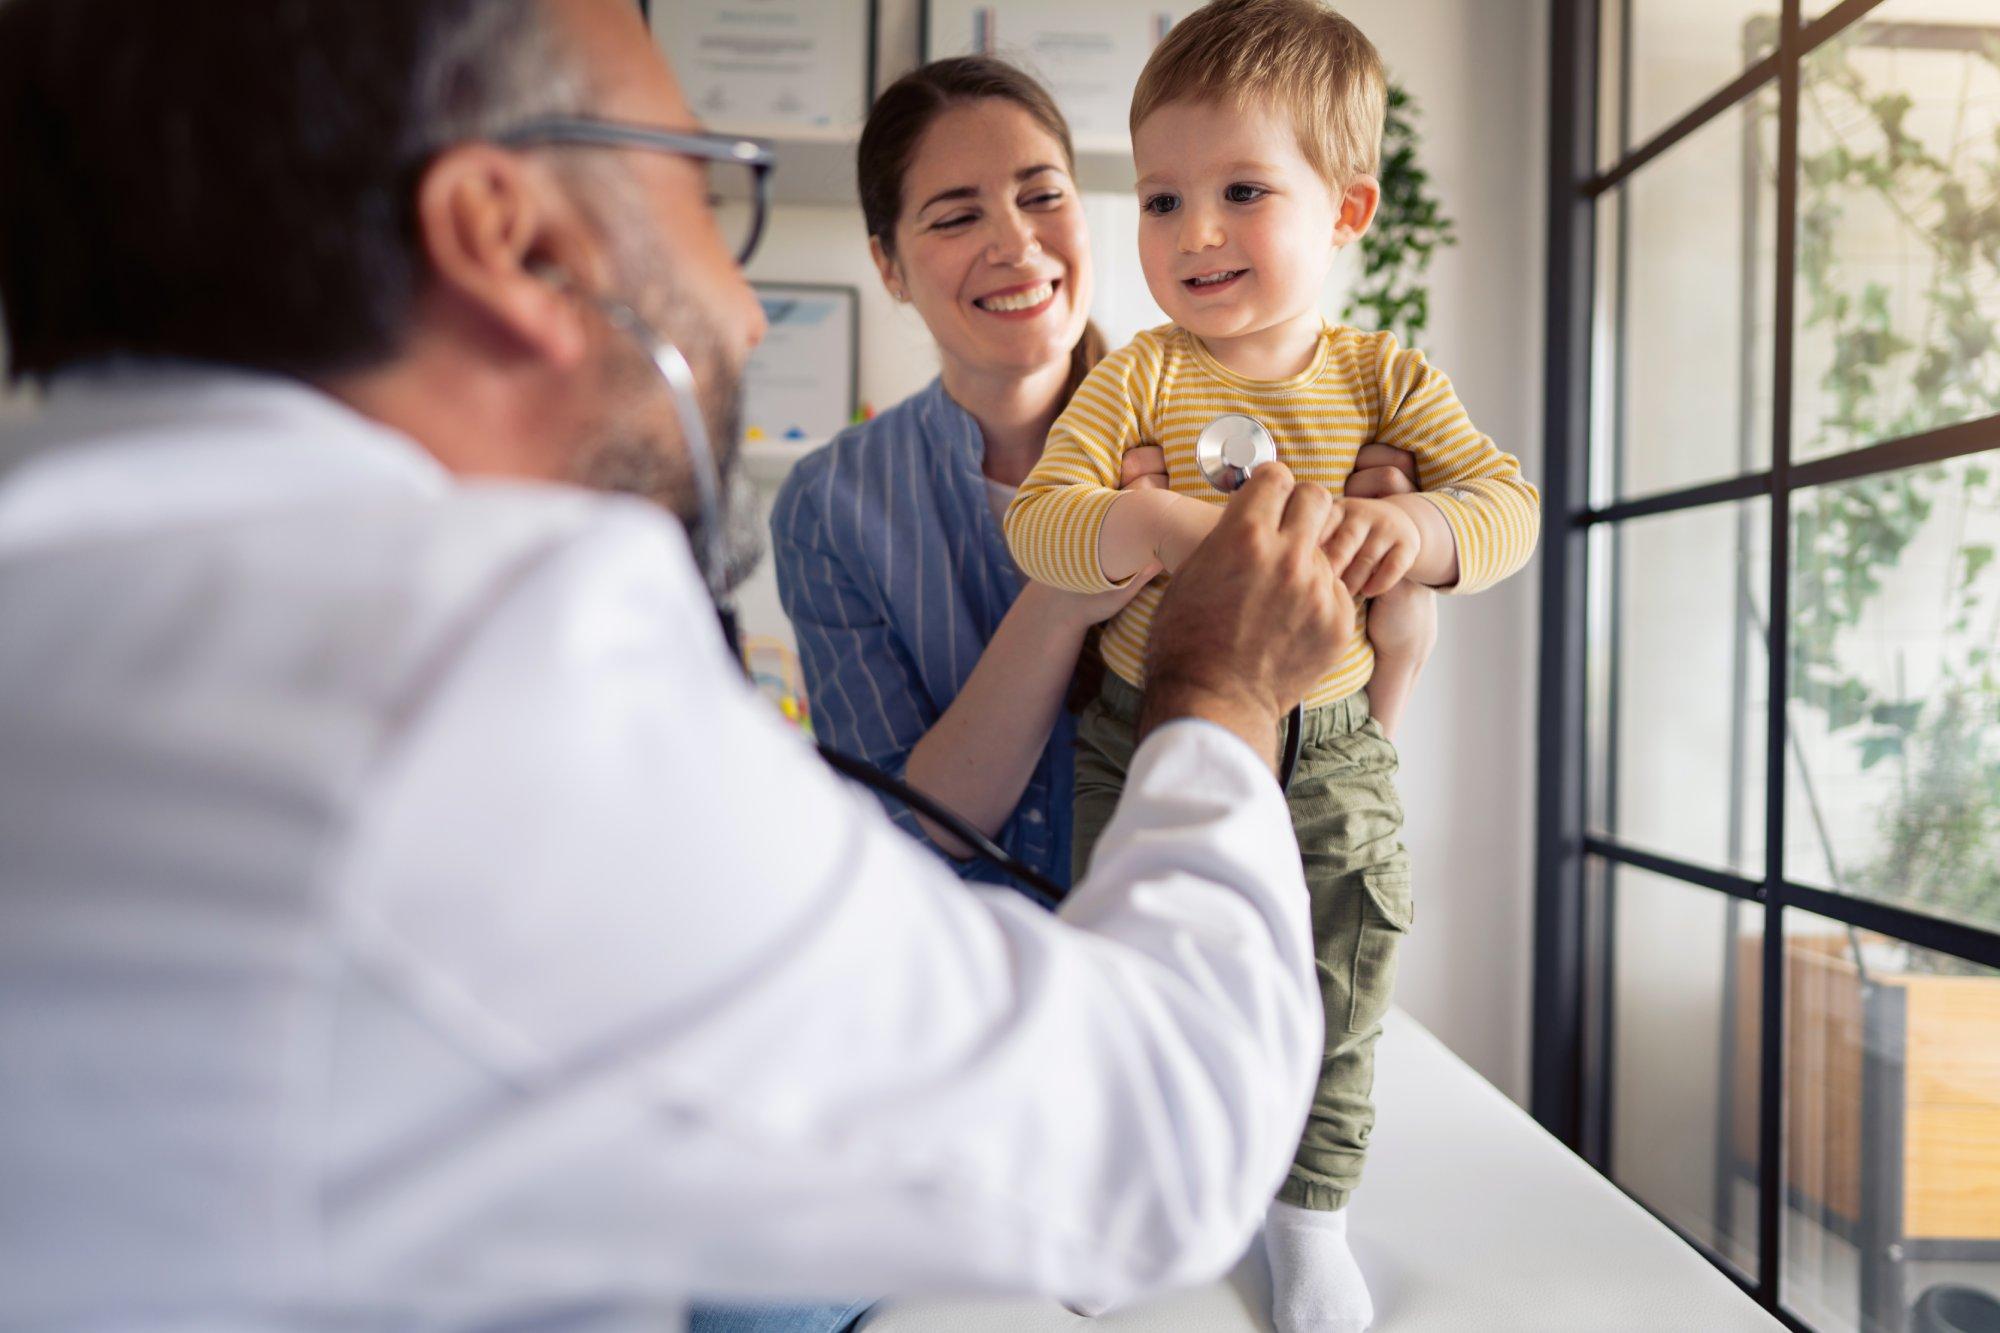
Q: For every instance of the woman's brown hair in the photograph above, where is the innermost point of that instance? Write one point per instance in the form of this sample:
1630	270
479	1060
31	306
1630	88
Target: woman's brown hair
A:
908	107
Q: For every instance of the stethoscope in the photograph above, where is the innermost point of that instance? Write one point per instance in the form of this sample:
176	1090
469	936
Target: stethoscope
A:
1228	450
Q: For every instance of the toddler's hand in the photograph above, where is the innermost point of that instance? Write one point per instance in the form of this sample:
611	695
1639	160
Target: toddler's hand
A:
1371	545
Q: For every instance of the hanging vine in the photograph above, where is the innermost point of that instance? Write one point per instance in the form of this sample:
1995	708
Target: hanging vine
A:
1941	827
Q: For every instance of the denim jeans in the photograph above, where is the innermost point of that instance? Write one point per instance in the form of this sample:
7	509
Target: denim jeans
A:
775	1318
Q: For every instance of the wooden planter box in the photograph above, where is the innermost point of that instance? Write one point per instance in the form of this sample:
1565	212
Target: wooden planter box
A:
1892	1108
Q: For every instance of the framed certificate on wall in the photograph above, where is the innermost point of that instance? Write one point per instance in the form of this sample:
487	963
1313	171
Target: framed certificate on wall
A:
803	381
1089	55
771	64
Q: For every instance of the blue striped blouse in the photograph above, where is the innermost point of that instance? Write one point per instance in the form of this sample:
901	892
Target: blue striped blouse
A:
895	575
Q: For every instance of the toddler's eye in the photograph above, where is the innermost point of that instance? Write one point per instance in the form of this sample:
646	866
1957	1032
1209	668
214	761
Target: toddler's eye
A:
1160	205
1244	194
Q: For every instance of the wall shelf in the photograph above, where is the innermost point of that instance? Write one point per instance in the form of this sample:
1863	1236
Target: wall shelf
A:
766	462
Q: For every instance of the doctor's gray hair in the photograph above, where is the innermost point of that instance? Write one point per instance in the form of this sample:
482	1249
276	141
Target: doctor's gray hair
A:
235	180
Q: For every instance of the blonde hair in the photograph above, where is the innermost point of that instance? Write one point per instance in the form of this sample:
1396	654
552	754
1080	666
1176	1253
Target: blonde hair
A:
1296	55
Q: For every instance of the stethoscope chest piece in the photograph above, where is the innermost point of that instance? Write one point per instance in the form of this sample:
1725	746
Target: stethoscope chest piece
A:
1231	447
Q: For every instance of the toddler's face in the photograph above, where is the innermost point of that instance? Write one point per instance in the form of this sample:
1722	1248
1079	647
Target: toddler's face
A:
1236	229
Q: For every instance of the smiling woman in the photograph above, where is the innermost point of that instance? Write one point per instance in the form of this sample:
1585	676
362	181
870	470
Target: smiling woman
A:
924	651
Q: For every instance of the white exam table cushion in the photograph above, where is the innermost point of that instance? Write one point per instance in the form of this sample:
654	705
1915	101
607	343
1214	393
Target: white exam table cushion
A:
1471	1219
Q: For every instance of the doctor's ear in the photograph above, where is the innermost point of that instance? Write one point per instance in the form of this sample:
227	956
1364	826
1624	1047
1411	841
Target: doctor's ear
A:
495	228
1356	209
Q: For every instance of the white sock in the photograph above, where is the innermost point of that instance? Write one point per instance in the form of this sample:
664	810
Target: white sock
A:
1316	1287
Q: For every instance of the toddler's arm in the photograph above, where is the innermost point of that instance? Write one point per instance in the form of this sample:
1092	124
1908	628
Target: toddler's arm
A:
1402	622
1071	526
1478	518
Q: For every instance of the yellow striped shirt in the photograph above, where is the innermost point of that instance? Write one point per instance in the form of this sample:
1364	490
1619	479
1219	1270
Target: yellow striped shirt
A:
1361	388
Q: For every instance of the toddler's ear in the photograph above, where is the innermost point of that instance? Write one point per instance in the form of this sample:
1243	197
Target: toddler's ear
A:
1357	209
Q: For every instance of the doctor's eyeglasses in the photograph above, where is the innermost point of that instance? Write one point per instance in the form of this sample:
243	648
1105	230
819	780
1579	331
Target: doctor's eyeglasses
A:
739	170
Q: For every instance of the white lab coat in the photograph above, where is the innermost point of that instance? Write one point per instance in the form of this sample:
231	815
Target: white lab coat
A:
408	918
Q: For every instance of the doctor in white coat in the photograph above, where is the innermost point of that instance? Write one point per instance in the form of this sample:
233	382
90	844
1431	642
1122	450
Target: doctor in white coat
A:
408	917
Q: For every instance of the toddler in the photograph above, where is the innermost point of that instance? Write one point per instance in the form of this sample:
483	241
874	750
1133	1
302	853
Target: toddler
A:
1256	132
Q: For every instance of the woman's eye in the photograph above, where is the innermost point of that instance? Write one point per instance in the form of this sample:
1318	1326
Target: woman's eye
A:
1160	205
1043	200
1244	194
956	220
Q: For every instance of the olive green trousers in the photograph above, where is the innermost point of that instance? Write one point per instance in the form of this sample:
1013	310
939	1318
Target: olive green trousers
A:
1349	823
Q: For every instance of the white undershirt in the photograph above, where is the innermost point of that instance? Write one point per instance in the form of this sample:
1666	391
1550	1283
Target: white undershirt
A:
999	494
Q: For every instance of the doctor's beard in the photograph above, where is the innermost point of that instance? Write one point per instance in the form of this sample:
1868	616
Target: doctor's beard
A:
635	445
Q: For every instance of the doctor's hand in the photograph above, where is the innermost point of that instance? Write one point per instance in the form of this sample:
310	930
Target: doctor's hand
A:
1254	616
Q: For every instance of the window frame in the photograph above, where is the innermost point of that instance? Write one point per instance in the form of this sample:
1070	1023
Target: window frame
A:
1570	1074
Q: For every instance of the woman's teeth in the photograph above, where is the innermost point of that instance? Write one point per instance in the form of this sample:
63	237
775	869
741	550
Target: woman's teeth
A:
1026	300
1210	279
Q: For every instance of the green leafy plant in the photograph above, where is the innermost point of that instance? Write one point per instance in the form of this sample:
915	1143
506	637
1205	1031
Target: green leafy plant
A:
1410	228
1940	845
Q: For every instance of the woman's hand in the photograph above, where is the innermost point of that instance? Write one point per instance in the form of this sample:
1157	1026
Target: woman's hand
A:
1380	472
1144	469
1098	607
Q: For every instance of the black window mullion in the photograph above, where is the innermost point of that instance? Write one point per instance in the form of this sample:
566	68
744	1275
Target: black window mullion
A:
1557	1090
1599	1145
1940	935
1744	487
1736	90
1821	30
1771	1044
1669	867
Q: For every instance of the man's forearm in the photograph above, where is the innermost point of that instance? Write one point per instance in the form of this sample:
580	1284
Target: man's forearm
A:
1173	699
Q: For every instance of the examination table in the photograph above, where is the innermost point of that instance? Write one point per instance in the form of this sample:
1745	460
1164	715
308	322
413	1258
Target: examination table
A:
1471	1219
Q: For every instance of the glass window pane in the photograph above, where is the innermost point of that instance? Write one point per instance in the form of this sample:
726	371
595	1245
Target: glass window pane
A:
1898	303
1892	1129
1683	53
1685	1056
1935	11
1894	704
1690	680
1696	321
1610	78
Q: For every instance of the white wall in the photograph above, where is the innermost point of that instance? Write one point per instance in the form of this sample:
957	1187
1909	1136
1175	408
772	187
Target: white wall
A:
1477	69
